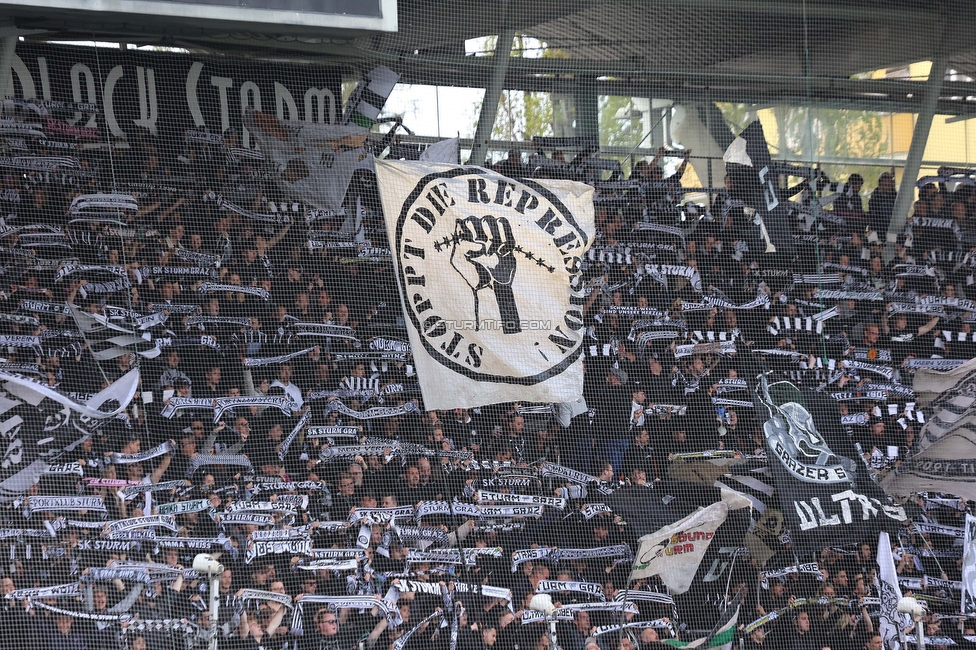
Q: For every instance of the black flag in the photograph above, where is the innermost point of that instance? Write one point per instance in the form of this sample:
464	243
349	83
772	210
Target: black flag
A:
824	500
753	182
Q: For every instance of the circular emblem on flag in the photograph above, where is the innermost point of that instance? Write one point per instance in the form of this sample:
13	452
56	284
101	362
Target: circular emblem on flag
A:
490	269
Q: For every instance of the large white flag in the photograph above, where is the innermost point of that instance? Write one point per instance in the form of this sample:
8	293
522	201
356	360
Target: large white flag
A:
675	551
892	623
490	279
944	458
969	568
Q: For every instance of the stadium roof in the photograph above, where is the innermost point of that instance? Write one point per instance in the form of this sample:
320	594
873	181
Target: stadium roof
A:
751	51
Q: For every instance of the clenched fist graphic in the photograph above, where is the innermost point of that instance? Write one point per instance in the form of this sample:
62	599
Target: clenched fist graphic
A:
484	255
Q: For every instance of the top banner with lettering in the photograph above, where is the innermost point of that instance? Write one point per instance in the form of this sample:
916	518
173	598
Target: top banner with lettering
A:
490	278
165	93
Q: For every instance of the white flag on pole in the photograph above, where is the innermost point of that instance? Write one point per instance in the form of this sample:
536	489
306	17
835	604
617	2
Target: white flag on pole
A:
969	568
892	623
675	551
445	151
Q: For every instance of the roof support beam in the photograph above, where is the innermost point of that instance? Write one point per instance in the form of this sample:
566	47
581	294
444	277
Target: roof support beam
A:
493	94
8	44
920	137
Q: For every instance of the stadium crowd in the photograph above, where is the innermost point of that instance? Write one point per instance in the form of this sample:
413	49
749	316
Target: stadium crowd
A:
344	512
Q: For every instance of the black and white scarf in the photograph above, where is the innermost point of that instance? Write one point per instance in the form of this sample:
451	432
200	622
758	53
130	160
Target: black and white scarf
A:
201	460
203	259
422	537
100	574
184	507
323	329
286	444
718	347
658	271
331	432
552	470
594	589
69	590
934	364
260	548
810	567
825	294
159	450
500	497
658	623
591	510
223	404
108	545
265	596
463	556
223	204
568	554
351	451
939	529
121	527
884	371
89	616
240	321
264	506
507	512
133	491
401	642
62	503
246	519
42	307
212	287
380	515
371	413
253	362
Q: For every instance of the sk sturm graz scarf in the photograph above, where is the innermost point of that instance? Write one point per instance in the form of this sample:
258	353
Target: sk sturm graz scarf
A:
593	589
556	502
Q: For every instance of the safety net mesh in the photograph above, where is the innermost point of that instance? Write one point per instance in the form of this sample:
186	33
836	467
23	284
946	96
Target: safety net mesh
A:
525	325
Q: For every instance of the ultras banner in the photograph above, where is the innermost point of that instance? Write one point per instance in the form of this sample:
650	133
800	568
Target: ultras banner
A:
489	270
824	499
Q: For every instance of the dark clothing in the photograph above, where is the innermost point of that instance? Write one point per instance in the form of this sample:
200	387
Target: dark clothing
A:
880	206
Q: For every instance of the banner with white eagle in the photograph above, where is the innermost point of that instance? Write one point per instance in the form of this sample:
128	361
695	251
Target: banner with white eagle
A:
489	270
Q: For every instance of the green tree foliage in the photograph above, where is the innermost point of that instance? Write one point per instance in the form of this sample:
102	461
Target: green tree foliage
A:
821	135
